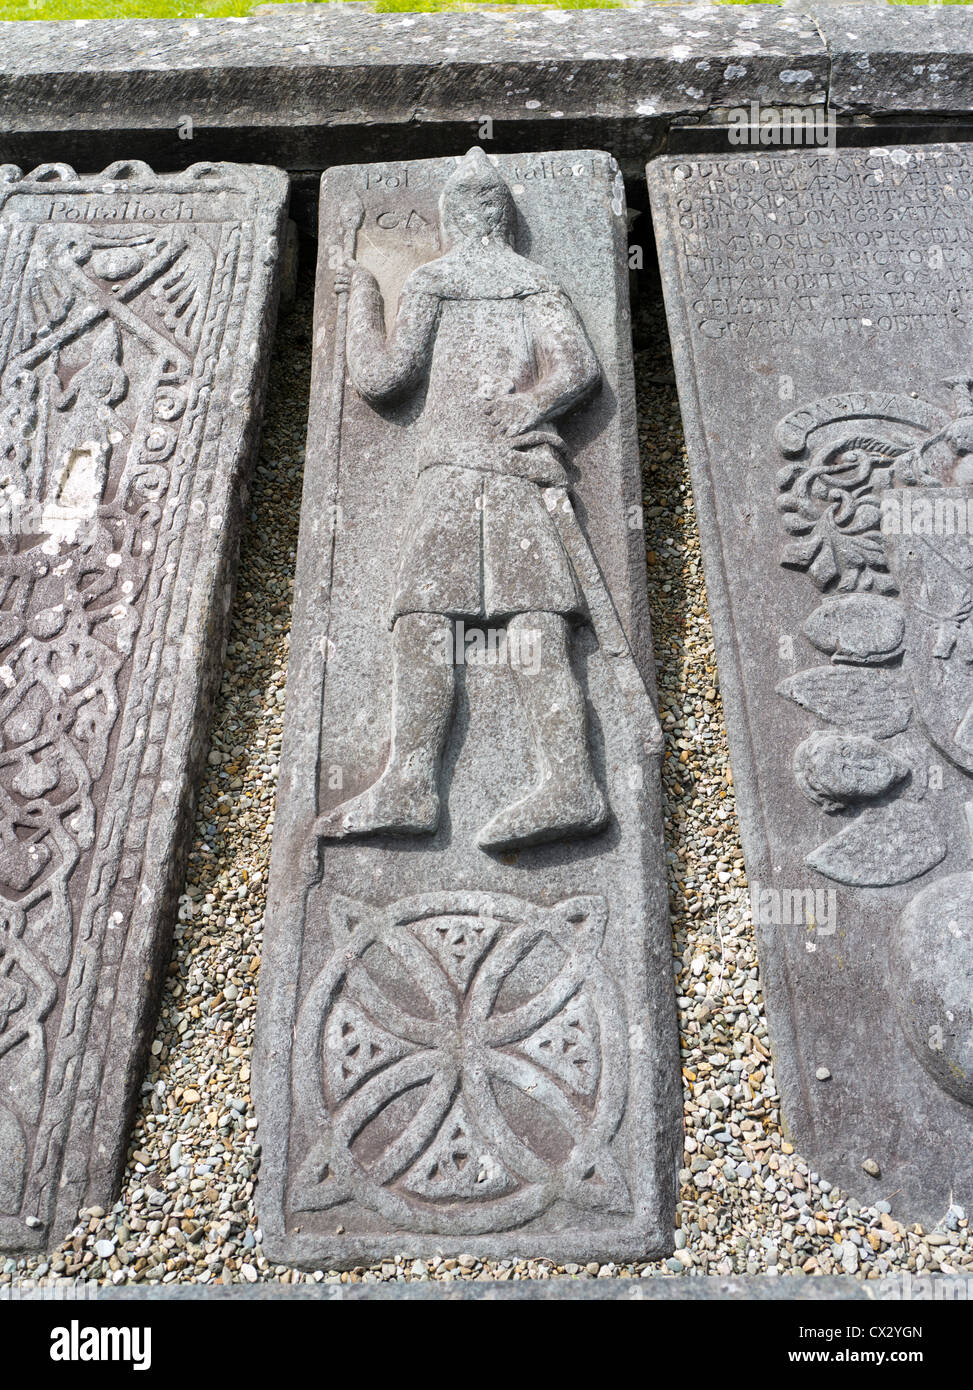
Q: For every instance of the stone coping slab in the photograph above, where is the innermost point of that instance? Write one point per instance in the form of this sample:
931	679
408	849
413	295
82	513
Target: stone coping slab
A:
318	85
882	66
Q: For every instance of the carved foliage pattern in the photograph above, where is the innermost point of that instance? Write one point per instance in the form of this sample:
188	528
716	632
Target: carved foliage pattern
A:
830	505
109	340
851	458
880	501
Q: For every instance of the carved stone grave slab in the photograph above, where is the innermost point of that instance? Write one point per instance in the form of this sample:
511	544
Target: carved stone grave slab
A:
821	314
466	1027
136	314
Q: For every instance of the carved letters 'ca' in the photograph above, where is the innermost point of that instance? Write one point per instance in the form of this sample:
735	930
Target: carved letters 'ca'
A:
840	282
135	317
465	1024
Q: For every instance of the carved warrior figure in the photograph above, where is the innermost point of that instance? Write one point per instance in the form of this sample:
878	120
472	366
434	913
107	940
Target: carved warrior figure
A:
503	355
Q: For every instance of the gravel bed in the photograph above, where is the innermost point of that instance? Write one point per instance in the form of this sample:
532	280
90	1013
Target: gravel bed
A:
749	1204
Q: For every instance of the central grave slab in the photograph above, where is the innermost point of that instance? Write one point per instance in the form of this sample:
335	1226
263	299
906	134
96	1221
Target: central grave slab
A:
821	315
136	316
466	1033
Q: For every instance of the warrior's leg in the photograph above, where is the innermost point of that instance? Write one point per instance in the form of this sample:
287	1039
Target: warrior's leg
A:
566	799
405	799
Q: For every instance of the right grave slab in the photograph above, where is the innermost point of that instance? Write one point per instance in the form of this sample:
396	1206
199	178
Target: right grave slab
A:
820	305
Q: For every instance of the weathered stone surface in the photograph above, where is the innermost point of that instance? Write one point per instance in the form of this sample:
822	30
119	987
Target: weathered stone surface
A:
885	64
306	86
820	310
321	84
466	1035
136	312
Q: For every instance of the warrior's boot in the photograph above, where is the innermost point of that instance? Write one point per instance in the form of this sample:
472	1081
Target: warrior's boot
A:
405	799
566	801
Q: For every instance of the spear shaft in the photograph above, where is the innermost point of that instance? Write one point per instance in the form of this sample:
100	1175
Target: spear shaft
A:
352	214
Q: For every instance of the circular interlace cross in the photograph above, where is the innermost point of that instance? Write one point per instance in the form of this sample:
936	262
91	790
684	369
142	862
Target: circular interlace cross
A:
460	1063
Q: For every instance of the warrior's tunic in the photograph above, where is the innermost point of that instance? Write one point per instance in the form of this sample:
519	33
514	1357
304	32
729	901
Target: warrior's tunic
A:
480	540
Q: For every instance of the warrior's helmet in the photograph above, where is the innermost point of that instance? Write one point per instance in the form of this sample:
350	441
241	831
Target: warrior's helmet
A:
476	201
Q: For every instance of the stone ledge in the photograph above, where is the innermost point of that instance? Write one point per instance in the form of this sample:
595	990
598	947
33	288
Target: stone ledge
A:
307	86
305	89
887	61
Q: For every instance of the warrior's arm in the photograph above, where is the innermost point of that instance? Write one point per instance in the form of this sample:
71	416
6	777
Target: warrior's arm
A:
568	369
384	367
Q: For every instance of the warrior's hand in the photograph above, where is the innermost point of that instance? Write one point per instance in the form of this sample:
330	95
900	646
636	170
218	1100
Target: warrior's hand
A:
512	414
309	858
350	275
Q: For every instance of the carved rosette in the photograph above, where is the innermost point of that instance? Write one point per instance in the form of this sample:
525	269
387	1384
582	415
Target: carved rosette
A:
461	1057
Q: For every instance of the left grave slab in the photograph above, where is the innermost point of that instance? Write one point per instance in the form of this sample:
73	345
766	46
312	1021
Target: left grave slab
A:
136	317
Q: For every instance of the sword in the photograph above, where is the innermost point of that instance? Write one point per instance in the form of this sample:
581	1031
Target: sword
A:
605	620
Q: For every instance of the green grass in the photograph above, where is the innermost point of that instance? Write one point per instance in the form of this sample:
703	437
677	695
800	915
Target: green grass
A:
124	9
395	6
221	9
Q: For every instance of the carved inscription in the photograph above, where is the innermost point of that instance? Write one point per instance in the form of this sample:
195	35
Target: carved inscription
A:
785	249
821	303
